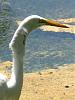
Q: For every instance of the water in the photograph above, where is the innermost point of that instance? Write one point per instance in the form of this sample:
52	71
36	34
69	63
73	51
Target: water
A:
43	49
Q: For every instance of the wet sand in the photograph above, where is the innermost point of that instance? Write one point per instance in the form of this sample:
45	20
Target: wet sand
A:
51	84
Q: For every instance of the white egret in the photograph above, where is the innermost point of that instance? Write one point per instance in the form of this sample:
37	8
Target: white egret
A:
11	89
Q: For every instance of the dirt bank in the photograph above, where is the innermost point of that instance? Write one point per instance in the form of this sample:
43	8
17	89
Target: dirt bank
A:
52	84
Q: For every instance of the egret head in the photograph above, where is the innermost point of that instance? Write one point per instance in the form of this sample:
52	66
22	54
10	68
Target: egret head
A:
27	25
34	21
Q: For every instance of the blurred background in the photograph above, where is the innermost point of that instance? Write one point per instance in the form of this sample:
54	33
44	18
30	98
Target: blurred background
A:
43	49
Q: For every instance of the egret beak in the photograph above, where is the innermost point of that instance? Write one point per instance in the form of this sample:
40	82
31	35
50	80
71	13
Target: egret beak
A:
52	23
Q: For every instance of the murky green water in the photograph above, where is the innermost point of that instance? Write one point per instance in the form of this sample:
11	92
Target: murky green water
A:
43	49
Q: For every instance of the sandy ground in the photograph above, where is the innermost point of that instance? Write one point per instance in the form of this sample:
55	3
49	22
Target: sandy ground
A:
51	84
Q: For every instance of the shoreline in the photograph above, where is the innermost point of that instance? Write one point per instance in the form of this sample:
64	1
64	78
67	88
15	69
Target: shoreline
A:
51	84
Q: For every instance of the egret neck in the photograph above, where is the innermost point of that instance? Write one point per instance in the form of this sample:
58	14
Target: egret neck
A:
17	46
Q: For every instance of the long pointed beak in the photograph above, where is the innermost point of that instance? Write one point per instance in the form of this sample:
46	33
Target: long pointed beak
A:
53	23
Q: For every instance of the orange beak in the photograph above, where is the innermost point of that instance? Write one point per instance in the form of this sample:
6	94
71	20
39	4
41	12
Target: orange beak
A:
52	23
